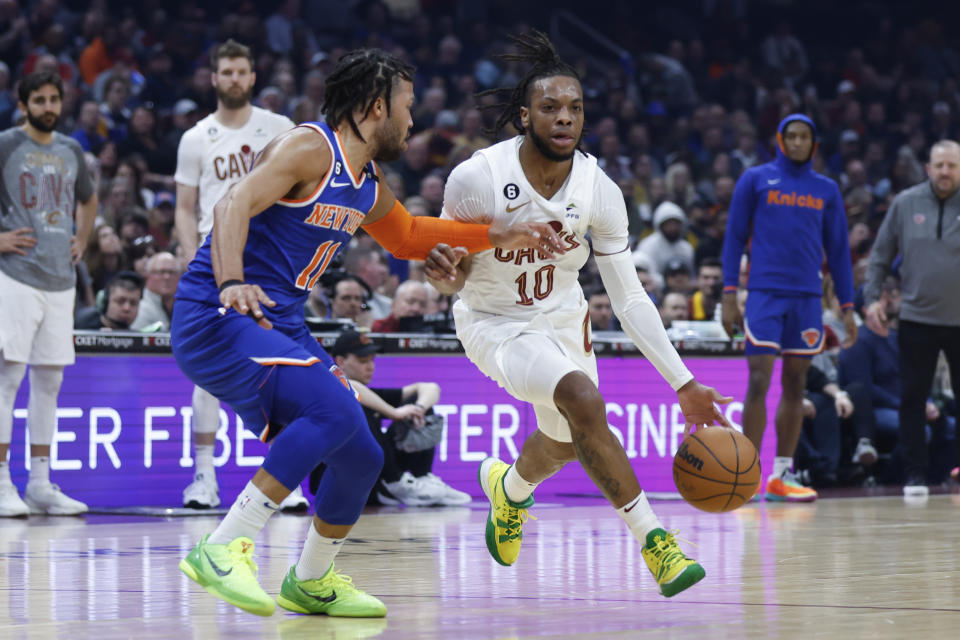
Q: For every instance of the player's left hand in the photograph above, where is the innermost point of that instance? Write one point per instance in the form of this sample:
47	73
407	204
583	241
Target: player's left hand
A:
76	249
442	261
699	406
528	235
246	300
850	326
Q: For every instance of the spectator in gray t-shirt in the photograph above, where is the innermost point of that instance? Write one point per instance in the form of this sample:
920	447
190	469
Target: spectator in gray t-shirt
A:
43	183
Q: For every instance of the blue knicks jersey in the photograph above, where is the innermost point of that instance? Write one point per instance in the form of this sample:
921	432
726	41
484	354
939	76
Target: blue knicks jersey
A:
292	242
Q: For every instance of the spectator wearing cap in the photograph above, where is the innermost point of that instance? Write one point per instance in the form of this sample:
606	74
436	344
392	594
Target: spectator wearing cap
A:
407	476
677	276
185	114
161	218
117	305
156	306
409	304
666	243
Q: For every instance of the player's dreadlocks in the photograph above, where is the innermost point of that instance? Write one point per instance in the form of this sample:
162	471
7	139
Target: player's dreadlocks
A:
362	76
534	48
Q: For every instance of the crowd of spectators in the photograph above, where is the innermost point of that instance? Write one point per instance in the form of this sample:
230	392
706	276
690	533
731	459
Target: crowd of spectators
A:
693	102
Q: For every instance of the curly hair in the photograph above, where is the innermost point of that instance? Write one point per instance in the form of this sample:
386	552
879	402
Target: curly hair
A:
360	77
536	49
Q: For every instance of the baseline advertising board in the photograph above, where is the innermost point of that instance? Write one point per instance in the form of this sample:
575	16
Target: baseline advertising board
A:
123	435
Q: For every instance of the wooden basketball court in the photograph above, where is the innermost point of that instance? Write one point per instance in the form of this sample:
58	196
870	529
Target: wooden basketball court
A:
840	568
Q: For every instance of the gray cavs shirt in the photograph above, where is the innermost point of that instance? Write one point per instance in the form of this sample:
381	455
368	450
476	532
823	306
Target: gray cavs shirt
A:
40	188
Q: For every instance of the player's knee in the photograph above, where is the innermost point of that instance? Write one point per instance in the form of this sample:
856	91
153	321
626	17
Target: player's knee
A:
11	375
758	381
580	402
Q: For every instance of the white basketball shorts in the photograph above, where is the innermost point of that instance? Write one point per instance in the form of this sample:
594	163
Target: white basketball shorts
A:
36	327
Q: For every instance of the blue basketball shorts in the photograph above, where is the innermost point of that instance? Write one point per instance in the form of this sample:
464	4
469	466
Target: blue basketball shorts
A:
233	358
788	324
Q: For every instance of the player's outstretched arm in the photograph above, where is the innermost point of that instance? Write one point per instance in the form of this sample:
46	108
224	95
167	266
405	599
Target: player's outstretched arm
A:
293	164
411	238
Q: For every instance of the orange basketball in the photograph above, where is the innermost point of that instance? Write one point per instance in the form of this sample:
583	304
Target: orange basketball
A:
716	469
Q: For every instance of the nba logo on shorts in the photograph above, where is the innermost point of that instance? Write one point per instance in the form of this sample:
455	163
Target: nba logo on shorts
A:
810	337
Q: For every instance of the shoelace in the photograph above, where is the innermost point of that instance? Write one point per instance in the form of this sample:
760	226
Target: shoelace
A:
246	557
513	522
668	551
338	580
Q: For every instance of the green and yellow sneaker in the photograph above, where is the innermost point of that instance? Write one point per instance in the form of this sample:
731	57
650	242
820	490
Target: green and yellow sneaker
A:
333	595
671	568
228	572
505	518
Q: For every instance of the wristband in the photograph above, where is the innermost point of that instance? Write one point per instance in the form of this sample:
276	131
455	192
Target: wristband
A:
230	283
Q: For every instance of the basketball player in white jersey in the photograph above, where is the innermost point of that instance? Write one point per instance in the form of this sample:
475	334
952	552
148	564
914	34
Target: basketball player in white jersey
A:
213	155
523	320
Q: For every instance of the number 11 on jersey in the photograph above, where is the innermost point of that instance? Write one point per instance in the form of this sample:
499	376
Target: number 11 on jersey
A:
322	257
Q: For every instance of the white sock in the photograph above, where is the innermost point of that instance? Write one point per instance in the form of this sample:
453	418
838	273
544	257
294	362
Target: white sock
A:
39	470
639	517
5	472
781	464
317	555
516	488
203	454
246	517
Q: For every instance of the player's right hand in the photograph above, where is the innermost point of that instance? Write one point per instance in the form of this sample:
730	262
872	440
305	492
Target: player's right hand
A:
246	299
877	319
17	241
442	261
699	406
730	313
528	235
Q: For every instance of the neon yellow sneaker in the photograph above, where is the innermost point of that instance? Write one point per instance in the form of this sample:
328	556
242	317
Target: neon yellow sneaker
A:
505	518
671	568
333	595
228	572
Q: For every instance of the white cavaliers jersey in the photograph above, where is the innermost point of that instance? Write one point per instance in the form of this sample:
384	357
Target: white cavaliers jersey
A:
491	188
214	157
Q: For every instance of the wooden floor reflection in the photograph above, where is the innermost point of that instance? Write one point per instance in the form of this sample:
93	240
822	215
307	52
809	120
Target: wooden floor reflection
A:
841	568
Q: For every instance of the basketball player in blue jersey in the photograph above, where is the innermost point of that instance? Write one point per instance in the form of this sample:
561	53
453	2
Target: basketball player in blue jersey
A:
238	329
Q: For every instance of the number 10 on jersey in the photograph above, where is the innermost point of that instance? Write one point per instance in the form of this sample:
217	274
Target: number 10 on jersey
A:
542	285
321	258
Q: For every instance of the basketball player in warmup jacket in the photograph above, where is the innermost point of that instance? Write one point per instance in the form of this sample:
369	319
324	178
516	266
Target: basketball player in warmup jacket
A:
523	320
238	328
791	215
213	155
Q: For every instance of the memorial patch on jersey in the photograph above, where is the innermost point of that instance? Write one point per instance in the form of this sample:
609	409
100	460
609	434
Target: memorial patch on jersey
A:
511	191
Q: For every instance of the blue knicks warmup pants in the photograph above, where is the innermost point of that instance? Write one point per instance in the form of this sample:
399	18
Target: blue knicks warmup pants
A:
283	387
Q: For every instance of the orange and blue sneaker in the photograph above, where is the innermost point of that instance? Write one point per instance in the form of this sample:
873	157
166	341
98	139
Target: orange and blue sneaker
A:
786	488
670	566
332	594
504	532
228	572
